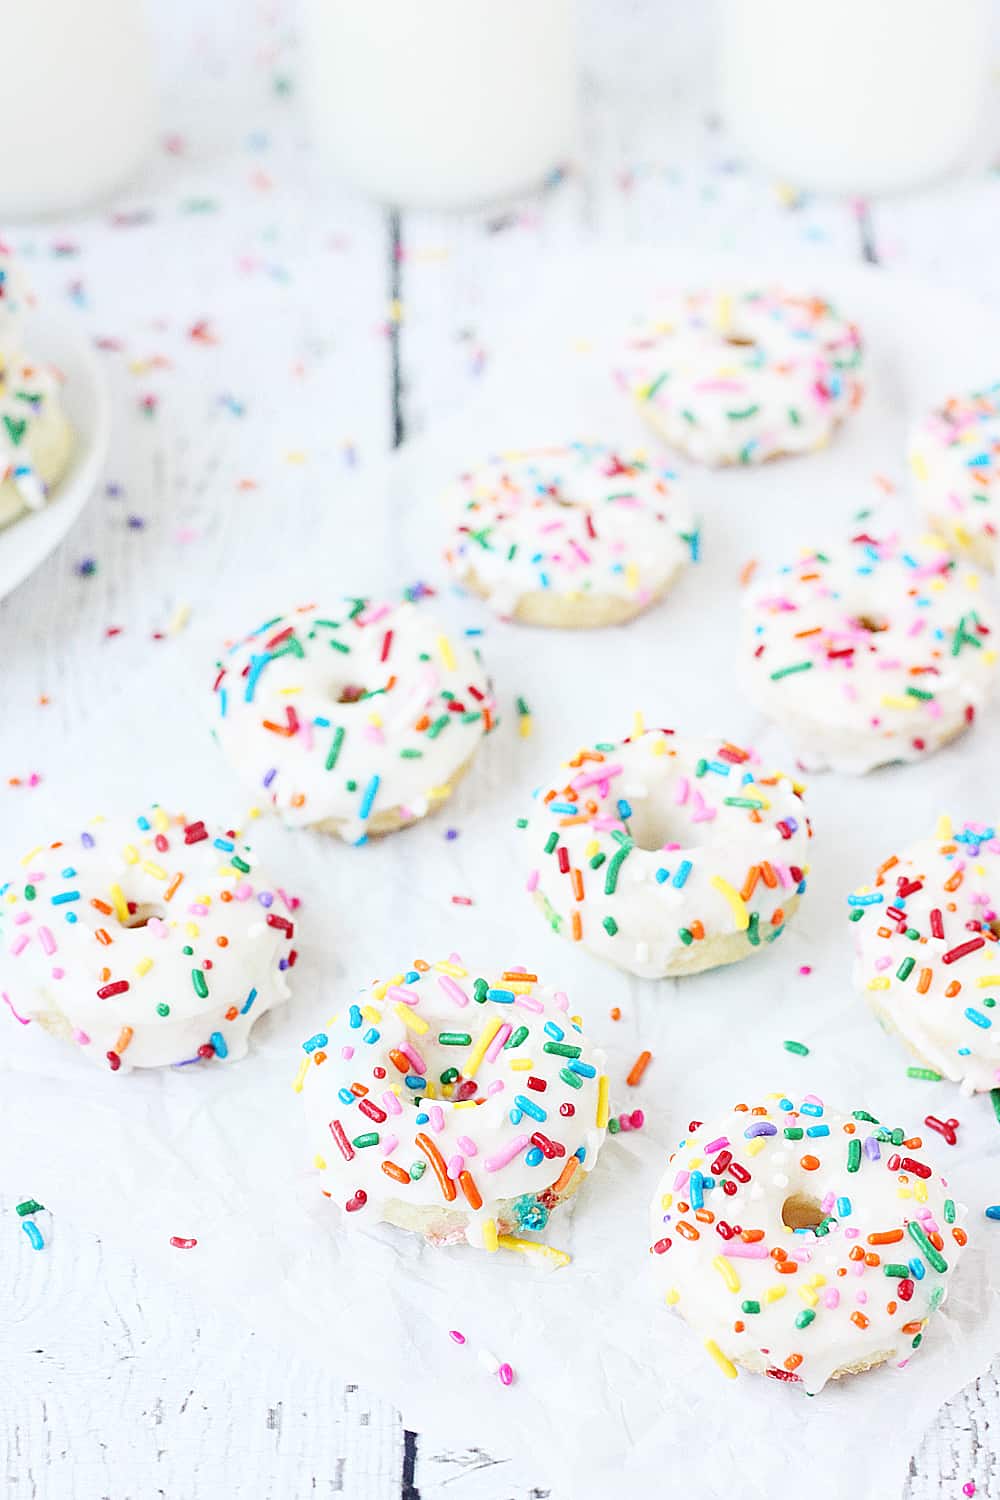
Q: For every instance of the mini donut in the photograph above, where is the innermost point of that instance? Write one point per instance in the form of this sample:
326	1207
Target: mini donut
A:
801	1243
927	951
462	1108
869	651
955	460
357	720
147	942
667	856
742	377
36	440
579	535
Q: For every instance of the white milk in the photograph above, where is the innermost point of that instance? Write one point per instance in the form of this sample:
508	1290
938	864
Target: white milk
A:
860	96
78	100
442	102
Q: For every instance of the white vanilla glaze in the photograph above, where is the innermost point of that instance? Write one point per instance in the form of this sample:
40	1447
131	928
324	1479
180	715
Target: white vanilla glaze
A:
665	855
36	439
875	1241
955	461
869	651
741	376
148	942
15	299
292	722
578	522
440	1089
927	950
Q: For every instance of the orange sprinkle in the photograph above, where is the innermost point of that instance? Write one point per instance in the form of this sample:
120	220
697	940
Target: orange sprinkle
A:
615	1013
786	1267
232	1013
103	936
959	1236
749	885
101	906
576	880
576	927
924	981
697	930
639	1067
793	1361
779	917
953	989
398	1174
516	977
222	941
747	571
565	1174
687	1230
433	1155
859	1320
124	1037
769	874
887	1237
399	1060
171	890
810	1163
913	1327
467	1183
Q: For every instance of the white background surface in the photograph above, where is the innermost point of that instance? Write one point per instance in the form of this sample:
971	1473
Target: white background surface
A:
107	1386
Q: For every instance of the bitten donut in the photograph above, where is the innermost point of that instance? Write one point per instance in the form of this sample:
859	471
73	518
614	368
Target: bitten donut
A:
666	856
356	721
869	651
742	377
460	1107
147	942
801	1243
579	535
36	440
955	460
927	950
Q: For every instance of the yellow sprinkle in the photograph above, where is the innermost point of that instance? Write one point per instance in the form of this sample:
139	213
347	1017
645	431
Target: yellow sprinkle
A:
439	793
157	871
727	1271
522	1064
659	747
319	1162
475	1057
738	906
672	1297
986	981
160	820
412	1022
455	970
918	465
371	1014
490	1238
878	984
920	1190
808	1295
631	577
531	1247
592	848
638	724
300	1076
774	1293
943	829
396	310
179	619
447	654
143	966
130	854
295	456
725	1365
891	700
756	1146
602	1102
666	1201
524	726
29	857
430	1092
192	929
120	904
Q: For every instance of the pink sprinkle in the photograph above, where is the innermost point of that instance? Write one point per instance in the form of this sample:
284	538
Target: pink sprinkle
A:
24	1020
531	884
806	969
504	1157
456	1166
467	1145
453	990
390	1143
494	1049
47	941
391	1103
347	1053
506	1375
459	1338
437	1118
461	900
19	944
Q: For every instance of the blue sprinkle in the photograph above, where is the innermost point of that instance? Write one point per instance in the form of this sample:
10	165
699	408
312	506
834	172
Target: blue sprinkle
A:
585	1070
695	1191
843	1208
354	1017
918	1268
315	1042
529	1107
65	896
414	1081
371	791
662	875
875	899
371	1036
219	1043
554	1031
684	870
624	809
248	1002
345	1096
502	997
34	1234
818	1130
534	1157
811	1109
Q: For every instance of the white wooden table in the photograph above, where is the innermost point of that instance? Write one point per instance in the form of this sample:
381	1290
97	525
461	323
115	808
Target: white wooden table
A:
256	315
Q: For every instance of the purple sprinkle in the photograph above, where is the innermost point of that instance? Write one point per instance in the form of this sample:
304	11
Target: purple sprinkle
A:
282	963
86	567
451	833
112	491
266	898
87	840
135	523
272	773
871	1148
760	1127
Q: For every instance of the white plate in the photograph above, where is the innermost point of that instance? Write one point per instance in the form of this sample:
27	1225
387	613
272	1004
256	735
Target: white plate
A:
54	341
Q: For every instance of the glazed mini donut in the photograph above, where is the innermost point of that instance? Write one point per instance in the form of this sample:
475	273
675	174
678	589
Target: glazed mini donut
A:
801	1243
955	460
667	856
870	651
462	1108
148	942
579	535
927	951
357	720
741	377
36	440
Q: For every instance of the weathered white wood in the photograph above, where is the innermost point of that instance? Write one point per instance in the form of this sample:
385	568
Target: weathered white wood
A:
107	1387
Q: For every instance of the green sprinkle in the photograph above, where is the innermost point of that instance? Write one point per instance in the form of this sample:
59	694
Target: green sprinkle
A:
857	914
742	802
523	708
802	666
651	390
686	937
926	1073
436	728
573	1079
617	860
239	864
862	1114
949	1210
799	1048
30	893
551	842
896	1268
455	1038
610	926
919	1234
793	1132
29	1206
479	991
995	1101
163	1009
753	934
516	1038
450	1075
370	1138
739	416
853	1154
906	968
200	983
561	1049
750	1307
338	740
411	755
521	823
920	693
417	1170
597	861
613	1125
805	1317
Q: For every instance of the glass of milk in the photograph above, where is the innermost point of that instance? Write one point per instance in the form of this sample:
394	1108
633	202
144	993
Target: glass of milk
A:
861	96
79	105
442	103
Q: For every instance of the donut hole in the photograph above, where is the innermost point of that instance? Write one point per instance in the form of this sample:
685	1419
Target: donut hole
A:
874	624
801	1211
141	913
349	692
654	823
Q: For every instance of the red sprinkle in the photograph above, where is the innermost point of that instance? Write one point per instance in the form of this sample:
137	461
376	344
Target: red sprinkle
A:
971	946
118	988
180	1244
